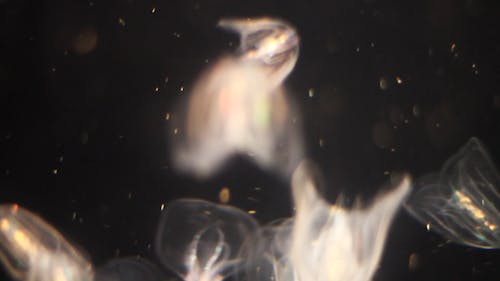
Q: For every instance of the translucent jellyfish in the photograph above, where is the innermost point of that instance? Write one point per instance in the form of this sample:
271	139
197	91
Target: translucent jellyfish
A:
462	202
129	269
325	242
239	106
32	250
202	241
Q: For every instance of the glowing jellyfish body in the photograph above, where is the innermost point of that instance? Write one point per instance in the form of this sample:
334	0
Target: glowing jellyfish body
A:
239	106
462	202
32	250
201	241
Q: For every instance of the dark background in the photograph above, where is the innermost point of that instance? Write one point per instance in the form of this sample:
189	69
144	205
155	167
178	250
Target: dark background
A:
85	87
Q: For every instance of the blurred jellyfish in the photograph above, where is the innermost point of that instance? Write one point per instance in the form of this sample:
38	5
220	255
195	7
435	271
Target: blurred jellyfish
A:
462	202
129	269
325	242
202	241
239	106
32	250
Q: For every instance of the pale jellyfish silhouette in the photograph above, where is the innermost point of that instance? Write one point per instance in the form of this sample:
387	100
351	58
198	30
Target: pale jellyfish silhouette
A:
239	106
325	242
202	241
32	250
462	202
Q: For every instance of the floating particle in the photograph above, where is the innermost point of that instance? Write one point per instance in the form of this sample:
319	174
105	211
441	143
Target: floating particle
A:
121	21
311	92
167	116
55	171
176	131
129	195
153	10
383	83
156	89
182	89
73	216
175	34
453	47
162	207
416	110
428	227
224	195
413	261
399	80
251	212
321	142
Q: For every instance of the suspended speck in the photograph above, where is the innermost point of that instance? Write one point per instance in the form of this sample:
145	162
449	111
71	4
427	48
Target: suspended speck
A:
224	195
393	149
182	89
167	116
153	10
162	207
121	21
399	80
475	70
53	69
357	49
321	143
55	171
80	220
206	60
165	80
129	195
178	35
453	47
406	121
61	159
251	212
437	125
383	84
65	52
176	131
372	44
413	261
416	110
73	216
311	92
386	173
157	89
257	188
428	227
91	4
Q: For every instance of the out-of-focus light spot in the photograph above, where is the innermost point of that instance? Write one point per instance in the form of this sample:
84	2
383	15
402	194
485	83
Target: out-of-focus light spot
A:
251	212
53	69
153	10
156	89
453	47
413	261
437	125
129	195
61	159
393	149
357	49
224	195
176	131
177	35
383	83
382	135
399	80
167	116
85	41
182	89
311	92
162	207
428	227
73	216
386	173
55	171
321	142
91	4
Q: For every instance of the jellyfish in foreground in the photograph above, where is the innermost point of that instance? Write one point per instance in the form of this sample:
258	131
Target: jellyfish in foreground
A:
325	242
462	202
202	241
239	105
32	250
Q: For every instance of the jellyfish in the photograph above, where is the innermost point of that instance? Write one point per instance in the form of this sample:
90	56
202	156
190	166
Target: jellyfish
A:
323	241
202	241
462	202
129	269
239	106
32	250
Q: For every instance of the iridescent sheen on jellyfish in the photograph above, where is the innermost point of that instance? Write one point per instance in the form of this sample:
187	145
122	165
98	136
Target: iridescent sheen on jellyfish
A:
201	241
462	202
32	250
239	106
325	242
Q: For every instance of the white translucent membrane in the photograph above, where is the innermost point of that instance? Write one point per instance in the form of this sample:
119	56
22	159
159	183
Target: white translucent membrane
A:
129	269
32	250
239	106
201	241
325	242
462	202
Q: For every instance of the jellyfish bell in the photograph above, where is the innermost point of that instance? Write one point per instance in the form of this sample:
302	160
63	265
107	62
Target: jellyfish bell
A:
239	106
